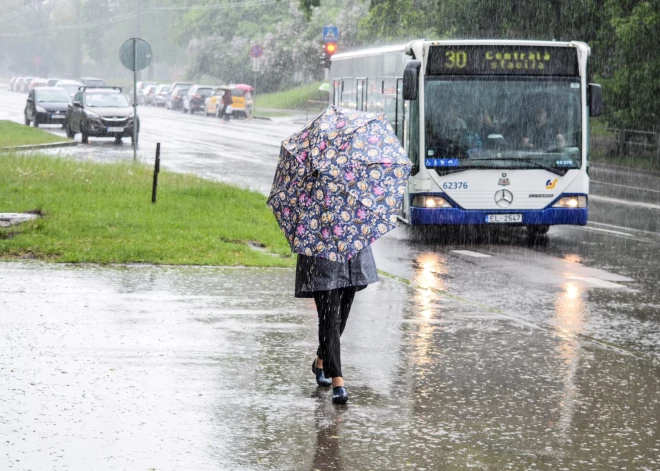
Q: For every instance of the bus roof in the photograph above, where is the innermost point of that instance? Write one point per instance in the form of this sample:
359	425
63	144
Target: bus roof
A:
457	42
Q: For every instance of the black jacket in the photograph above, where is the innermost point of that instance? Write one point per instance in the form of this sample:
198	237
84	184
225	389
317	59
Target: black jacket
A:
320	274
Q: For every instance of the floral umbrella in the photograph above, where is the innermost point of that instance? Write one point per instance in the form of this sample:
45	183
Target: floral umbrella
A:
339	183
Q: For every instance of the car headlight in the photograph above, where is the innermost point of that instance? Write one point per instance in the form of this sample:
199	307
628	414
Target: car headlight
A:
40	109
92	115
423	201
571	202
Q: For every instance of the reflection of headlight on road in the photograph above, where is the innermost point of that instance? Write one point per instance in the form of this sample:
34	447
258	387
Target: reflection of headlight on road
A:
40	109
422	201
571	202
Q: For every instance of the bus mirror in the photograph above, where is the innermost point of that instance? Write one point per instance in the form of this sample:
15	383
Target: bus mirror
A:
410	80
596	107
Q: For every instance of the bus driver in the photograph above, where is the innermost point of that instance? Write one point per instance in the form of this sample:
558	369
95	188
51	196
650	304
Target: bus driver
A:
541	133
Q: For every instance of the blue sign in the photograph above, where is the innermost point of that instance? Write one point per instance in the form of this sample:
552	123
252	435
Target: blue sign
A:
330	34
430	163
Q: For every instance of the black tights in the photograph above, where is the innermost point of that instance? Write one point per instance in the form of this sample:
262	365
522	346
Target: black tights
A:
333	308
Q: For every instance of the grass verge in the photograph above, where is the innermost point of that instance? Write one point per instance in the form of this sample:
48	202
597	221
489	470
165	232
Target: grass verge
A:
294	99
14	134
102	213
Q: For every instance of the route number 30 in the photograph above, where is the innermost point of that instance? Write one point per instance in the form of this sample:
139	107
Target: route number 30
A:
455	59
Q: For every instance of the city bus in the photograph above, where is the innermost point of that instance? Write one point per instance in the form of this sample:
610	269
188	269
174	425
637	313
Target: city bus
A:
497	130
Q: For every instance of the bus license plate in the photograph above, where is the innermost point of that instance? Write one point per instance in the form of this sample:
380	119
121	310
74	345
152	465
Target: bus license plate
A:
504	218
115	129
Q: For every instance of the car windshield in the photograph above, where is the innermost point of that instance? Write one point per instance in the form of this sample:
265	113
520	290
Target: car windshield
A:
105	100
204	91
165	90
499	123
52	96
182	91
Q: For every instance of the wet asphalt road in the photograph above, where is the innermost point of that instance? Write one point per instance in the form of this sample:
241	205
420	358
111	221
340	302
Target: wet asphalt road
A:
487	352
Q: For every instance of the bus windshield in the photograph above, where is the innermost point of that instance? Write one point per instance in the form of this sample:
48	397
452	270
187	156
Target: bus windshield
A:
501	122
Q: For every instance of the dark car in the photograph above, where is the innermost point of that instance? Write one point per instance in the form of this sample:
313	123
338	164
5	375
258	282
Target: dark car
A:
196	97
175	98
100	112
46	105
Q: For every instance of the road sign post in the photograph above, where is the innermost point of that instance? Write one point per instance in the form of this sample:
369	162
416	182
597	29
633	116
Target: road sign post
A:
135	55
330	34
256	51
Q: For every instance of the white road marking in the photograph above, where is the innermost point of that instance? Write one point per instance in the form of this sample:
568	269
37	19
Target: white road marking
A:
625	186
470	253
622	227
597	282
610	231
639	204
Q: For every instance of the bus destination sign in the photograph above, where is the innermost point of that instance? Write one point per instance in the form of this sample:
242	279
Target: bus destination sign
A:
502	60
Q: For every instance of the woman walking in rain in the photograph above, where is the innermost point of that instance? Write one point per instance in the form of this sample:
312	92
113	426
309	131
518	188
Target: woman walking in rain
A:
333	286
337	189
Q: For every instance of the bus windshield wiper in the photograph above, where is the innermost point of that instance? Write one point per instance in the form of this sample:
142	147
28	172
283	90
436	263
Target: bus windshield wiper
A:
555	170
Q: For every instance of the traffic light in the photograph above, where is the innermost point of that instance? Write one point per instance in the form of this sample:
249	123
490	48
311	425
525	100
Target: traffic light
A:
328	50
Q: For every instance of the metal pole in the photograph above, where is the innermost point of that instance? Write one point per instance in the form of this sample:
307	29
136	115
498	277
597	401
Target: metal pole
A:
156	171
135	118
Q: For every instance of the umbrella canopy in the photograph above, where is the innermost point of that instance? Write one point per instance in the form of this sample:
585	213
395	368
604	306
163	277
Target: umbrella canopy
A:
339	183
245	87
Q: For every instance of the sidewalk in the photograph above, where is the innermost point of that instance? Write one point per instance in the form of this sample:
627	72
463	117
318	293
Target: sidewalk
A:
197	368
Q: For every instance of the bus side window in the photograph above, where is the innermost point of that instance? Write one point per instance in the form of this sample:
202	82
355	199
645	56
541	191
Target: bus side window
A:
361	92
337	90
398	112
388	100
348	94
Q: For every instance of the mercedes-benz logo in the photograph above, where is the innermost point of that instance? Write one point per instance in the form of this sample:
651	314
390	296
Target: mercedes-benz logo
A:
503	198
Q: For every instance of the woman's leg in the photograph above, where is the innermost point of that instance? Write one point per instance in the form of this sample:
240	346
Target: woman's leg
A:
333	308
328	306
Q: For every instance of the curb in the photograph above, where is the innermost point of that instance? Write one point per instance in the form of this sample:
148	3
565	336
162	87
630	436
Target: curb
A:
263	118
52	145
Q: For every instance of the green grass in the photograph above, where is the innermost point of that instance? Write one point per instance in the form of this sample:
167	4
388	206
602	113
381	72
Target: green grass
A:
102	213
270	114
294	99
14	134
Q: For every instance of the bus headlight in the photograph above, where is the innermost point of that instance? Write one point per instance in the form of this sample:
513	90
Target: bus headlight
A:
571	202
421	201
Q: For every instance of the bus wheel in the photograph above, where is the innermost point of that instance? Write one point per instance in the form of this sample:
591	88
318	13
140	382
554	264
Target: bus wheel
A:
538	230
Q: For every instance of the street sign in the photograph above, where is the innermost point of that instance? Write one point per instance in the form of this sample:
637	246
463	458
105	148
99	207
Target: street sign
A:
256	51
255	64
135	54
330	34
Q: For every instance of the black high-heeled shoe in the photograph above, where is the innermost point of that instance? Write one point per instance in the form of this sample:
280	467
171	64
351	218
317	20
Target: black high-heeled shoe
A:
321	380
339	395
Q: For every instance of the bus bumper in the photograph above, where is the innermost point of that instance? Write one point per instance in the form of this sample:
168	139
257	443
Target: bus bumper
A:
448	216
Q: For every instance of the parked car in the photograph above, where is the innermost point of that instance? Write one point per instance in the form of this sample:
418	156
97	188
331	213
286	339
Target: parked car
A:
145	94
46	105
174	85
195	98
52	82
160	95
241	100
92	82
71	86
18	84
38	82
101	112
213	103
175	98
140	87
25	85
